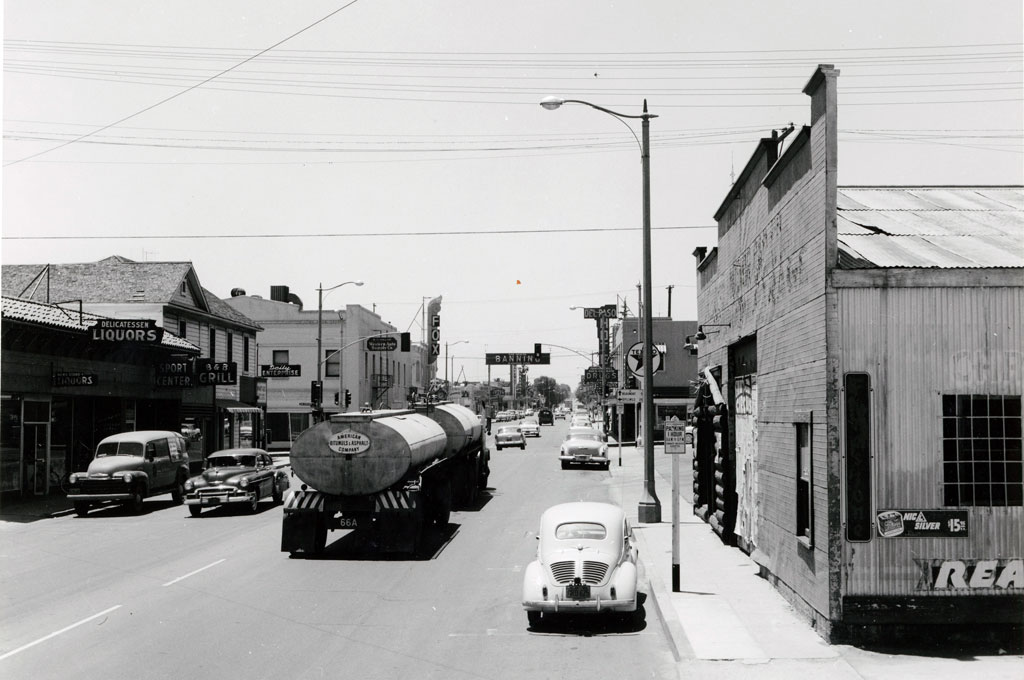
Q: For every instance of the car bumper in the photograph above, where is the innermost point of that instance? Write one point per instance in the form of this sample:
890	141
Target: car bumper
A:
580	606
210	500
583	459
99	496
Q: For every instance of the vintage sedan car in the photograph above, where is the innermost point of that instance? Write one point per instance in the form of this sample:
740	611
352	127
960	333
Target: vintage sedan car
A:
584	446
530	427
509	435
235	476
586	562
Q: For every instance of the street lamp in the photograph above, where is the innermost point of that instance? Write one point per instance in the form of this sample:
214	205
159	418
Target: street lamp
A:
650	507
318	401
457	342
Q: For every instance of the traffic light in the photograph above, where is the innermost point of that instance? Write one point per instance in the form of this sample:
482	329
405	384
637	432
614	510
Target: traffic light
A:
335	398
316	391
348	398
406	342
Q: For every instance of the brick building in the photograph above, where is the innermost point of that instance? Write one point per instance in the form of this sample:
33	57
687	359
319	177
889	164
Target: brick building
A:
859	429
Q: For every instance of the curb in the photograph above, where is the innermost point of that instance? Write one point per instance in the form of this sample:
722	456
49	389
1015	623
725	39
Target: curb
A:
670	624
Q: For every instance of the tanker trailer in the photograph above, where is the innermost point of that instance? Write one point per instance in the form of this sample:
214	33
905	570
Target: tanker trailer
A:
389	474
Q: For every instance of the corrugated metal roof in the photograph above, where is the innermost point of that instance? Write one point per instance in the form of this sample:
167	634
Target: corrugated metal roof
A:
54	316
931	227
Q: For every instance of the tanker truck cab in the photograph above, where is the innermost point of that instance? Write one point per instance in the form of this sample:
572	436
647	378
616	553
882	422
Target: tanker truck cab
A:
393	474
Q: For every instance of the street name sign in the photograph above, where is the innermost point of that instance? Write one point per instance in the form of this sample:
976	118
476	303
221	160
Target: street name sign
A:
517	358
384	343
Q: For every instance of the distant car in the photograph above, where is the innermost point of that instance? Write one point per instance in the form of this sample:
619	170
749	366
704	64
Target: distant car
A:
584	446
580	421
129	467
545	417
559	415
509	435
235	476
529	427
586	562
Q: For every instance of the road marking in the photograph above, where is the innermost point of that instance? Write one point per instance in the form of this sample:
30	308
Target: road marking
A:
62	630
193	573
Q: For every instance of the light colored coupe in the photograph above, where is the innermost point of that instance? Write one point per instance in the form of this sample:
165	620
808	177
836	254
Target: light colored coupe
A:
586	562
509	435
530	427
584	446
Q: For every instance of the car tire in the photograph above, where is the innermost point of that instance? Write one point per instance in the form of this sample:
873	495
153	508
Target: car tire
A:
135	502
523	446
178	492
81	508
195	510
497	448
254	503
535	619
565	465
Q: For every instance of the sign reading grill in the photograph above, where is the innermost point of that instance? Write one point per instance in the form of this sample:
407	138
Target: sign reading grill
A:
382	344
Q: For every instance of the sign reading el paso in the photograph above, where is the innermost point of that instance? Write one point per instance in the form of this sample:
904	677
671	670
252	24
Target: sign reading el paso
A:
518	358
603	312
128	330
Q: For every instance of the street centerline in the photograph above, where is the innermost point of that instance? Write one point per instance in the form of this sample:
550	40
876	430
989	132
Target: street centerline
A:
193	573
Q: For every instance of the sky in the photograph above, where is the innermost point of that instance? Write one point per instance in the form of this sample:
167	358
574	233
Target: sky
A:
400	142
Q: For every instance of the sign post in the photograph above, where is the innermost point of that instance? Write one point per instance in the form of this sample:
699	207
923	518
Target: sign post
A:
675	443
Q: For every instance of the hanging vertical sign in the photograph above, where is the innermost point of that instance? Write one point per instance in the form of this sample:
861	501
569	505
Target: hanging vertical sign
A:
434	314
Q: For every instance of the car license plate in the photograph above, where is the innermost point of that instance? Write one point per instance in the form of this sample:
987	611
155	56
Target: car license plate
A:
211	500
577	591
583	458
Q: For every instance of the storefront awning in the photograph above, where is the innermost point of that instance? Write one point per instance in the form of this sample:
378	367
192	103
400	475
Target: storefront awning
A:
232	406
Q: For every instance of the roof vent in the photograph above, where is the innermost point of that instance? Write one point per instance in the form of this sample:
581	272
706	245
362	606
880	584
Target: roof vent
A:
237	292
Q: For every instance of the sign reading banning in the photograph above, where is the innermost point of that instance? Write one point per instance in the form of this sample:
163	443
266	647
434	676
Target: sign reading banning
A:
518	358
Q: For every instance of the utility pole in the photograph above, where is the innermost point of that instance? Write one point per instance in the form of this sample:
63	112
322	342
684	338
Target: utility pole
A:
669	289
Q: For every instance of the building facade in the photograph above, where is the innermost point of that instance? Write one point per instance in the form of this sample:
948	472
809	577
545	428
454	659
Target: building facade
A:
859	412
349	367
158	389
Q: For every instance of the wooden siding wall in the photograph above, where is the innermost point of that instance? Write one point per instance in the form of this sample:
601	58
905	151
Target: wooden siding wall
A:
769	281
918	344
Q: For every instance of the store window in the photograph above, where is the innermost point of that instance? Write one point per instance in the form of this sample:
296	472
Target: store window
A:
981	450
281	357
213	344
245	353
231	347
332	363
804	504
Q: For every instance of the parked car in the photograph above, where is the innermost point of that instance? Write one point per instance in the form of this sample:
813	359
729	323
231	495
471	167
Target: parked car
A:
545	417
509	435
235	476
529	427
584	446
586	562
129	467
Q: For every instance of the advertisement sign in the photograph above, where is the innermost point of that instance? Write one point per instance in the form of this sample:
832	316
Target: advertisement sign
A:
602	312
73	379
128	331
434	317
210	372
635	359
596	374
280	370
348	442
922	523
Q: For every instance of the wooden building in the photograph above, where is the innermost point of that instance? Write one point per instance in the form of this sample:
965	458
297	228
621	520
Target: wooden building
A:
859	417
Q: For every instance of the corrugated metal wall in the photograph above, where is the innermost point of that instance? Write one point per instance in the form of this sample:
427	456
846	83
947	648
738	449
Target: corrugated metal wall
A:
918	344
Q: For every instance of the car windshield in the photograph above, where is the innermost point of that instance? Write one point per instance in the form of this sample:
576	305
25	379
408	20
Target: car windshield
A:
577	530
119	449
233	461
587	437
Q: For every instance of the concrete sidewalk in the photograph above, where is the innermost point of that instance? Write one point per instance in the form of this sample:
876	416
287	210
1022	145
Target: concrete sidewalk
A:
725	612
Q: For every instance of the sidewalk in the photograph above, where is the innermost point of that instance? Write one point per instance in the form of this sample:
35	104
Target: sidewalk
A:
725	612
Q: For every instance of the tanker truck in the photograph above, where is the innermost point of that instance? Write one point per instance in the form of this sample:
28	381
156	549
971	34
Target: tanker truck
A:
391	474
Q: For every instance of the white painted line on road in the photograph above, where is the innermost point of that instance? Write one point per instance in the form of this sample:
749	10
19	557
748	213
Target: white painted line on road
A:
56	633
193	573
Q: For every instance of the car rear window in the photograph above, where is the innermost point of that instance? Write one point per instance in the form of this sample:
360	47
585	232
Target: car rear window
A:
577	530
119	449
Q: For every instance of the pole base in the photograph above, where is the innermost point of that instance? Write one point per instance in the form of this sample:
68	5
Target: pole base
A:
649	512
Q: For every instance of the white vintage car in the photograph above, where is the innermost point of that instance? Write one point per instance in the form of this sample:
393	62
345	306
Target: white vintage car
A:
584	446
586	562
529	427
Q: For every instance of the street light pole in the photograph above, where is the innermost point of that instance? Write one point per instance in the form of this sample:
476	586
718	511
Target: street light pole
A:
318	406
457	342
649	510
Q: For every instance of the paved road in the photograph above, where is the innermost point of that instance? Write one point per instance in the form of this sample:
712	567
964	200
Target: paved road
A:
163	595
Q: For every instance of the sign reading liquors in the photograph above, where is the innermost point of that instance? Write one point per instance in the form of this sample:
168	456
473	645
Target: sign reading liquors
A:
128	330
348	442
73	379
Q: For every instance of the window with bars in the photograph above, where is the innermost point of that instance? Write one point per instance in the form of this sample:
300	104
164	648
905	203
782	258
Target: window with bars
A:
981	450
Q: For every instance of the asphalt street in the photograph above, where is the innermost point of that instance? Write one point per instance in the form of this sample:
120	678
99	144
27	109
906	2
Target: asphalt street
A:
165	595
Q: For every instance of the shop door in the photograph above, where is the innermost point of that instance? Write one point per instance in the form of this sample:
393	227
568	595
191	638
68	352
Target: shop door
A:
37	458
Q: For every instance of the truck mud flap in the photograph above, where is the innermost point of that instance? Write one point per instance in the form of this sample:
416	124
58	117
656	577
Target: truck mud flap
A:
303	529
